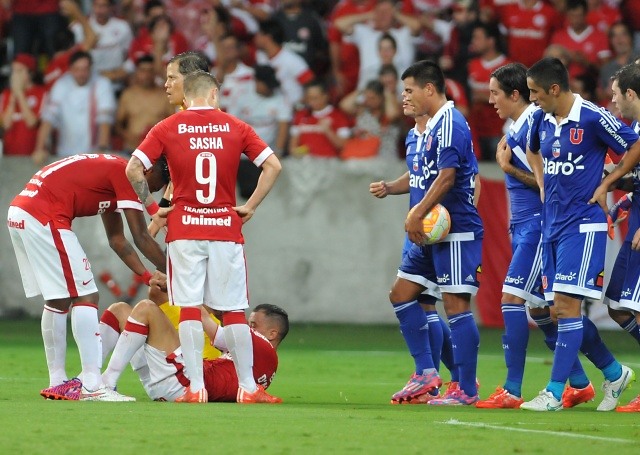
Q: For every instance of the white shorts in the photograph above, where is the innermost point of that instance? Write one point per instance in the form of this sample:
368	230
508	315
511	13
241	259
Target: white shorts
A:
51	261
166	380
209	272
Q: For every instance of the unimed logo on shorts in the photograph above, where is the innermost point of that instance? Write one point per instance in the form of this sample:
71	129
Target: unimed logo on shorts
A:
15	224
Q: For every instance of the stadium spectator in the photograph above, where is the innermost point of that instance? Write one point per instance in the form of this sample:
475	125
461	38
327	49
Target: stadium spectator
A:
140	106
215	24
449	169
146	332
64	44
205	225
185	15
177	68
265	110
21	104
602	15
623	303
387	49
485	123
34	24
344	58
319	130
376	114
291	69
237	79
303	33
81	108
509	95
528	25
114	39
621	44
365	30
587	46
455	54
574	230
53	263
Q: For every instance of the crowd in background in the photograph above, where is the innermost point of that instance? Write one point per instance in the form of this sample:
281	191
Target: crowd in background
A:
314	78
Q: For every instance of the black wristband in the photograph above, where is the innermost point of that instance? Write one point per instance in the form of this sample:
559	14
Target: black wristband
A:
164	203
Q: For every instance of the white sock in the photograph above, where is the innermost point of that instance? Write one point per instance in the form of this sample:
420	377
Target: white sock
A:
141	367
240	344
84	324
109	340
131	340
54	335
192	342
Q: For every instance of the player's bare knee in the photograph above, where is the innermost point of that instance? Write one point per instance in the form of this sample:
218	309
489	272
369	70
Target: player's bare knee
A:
511	299
619	316
142	310
120	310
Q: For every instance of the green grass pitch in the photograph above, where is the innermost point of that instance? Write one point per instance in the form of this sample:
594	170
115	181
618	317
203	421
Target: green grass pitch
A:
336	382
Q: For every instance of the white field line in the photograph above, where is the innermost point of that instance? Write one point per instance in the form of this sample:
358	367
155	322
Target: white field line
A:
562	434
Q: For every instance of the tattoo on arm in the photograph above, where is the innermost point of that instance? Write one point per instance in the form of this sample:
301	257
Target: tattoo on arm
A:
142	190
528	178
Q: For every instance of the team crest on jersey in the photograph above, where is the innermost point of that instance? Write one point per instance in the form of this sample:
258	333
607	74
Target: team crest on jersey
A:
416	164
575	135
555	149
544	282
429	138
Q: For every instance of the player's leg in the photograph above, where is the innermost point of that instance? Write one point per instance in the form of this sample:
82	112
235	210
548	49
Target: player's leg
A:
624	318
457	264
436	335
412	280
186	280
112	324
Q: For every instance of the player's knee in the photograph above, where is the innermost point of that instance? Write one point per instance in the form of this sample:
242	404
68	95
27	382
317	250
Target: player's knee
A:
142	308
619	316
120	310
511	299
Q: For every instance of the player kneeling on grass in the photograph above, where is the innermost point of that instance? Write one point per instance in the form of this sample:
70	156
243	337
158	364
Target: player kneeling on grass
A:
150	343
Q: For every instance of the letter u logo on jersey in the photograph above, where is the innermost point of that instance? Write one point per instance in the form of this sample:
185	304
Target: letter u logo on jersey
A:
575	135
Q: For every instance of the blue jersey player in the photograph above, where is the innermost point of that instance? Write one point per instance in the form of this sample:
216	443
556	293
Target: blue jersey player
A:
509	94
450	172
413	182
567	144
623	292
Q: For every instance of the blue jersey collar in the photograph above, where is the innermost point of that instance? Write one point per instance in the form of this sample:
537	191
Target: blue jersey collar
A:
517	125
574	113
433	121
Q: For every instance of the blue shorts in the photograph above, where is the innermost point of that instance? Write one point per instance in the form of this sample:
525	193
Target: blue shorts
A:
457	263
417	266
524	278
574	264
623	291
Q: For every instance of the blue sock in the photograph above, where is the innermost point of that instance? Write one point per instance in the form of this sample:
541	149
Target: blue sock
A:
514	343
631	326
447	352
595	350
465	340
577	376
435	336
613	371
415	330
569	340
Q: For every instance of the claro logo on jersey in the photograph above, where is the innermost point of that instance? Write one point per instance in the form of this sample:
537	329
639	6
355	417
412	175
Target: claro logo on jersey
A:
563	167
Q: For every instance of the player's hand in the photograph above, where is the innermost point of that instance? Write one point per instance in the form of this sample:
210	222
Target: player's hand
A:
379	189
503	153
620	209
245	212
635	243
414	227
160	217
600	196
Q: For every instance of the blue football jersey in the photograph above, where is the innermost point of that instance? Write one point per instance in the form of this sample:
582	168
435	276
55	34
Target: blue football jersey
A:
414	143
573	154
525	201
448	145
634	213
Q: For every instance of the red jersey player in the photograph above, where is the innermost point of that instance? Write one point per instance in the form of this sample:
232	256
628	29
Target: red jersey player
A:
53	263
162	375
205	254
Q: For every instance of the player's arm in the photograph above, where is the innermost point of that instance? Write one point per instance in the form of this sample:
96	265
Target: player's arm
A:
477	189
143	240
535	161
441	185
135	174
153	227
271	168
114	228
345	23
382	189
628	161
503	158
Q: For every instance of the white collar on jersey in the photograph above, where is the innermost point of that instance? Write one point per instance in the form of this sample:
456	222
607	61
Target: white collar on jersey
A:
517	125
433	121
574	113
